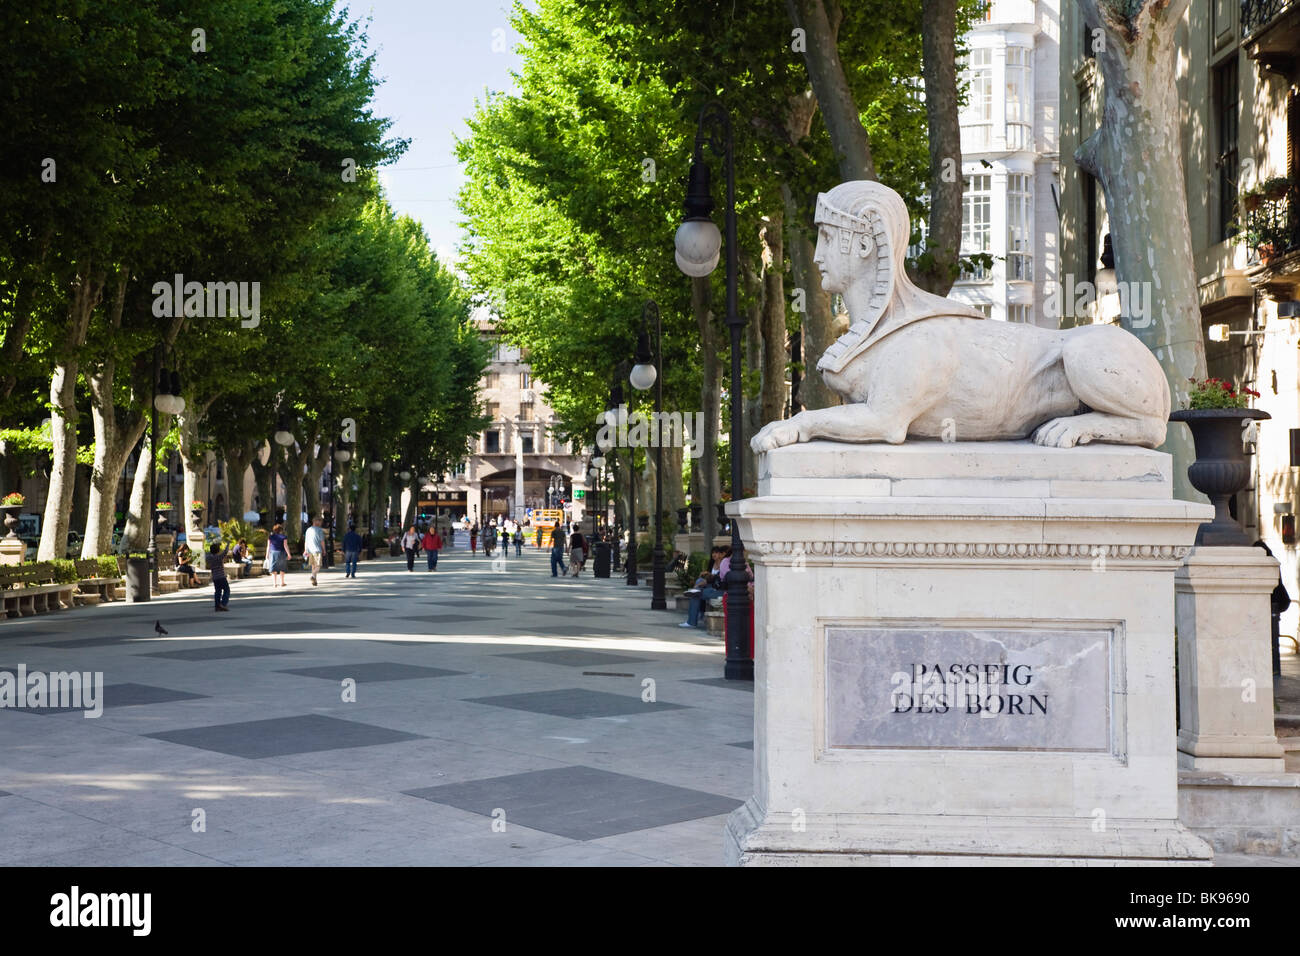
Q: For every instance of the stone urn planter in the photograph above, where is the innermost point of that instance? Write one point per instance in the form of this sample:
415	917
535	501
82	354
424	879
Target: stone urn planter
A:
642	522
11	513
137	579
681	520
1220	469
697	515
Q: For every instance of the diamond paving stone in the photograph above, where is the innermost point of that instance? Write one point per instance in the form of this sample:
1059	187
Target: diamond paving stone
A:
580	803
229	652
284	736
122	695
575	658
575	702
378	671
435	618
745	685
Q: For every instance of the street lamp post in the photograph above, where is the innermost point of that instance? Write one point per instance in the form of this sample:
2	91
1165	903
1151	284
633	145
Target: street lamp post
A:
616	399
166	398
644	374
697	245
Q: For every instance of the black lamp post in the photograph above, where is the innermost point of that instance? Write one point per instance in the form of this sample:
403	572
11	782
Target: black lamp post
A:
648	371
616	399
697	243
166	398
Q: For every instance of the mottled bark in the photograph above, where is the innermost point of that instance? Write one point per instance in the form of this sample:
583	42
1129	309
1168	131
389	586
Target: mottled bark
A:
1136	155
939	65
87	291
751	361
820	19
776	356
139	510
817	318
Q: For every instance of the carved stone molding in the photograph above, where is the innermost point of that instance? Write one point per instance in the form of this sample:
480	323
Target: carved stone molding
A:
961	549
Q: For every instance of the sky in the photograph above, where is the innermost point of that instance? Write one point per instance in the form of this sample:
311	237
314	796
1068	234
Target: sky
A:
436	59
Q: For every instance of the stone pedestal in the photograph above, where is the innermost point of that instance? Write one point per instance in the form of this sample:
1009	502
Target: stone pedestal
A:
1225	667
1038	583
12	550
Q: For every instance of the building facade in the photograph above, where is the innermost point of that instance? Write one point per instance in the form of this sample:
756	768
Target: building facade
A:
1237	79
1009	143
516	462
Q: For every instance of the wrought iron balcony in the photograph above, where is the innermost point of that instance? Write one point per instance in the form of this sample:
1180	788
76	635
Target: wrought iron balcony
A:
1270	30
1257	13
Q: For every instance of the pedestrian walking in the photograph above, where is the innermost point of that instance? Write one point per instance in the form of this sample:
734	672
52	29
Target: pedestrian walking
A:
432	543
314	549
473	538
489	540
277	555
351	551
519	542
410	544
577	551
220	583
557	552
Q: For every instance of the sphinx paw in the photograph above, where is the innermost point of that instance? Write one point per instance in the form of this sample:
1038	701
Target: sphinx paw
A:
1062	433
774	435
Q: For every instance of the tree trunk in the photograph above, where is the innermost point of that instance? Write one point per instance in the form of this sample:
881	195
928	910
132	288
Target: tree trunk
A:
821	23
1140	132
238	459
775	355
139	512
710	400
315	468
115	435
939	58
817	330
63	419
264	480
752	360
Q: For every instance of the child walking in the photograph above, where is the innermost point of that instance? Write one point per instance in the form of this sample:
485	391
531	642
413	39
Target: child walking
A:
220	584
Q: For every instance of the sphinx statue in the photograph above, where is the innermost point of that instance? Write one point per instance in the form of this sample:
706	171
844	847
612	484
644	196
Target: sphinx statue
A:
920	365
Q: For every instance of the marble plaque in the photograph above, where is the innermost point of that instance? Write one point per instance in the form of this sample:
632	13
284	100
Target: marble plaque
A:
975	688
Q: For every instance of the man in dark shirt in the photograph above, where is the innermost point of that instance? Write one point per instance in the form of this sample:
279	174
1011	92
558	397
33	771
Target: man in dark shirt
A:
351	551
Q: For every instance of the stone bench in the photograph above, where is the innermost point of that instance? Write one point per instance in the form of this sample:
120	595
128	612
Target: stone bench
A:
30	589
93	584
715	621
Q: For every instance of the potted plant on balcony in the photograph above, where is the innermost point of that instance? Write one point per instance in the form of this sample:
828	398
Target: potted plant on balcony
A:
11	505
1216	413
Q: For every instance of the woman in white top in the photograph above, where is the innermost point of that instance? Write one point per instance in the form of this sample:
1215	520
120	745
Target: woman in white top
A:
410	543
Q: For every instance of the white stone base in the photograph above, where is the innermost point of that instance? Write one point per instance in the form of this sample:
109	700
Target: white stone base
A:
862	549
1225	665
841	840
1256	813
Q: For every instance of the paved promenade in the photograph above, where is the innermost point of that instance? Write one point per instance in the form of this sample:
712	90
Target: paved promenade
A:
500	717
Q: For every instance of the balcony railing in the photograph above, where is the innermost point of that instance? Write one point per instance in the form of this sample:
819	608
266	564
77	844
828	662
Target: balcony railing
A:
1273	227
1256	13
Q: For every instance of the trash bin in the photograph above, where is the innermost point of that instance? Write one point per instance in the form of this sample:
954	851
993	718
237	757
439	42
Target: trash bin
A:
601	567
138	579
